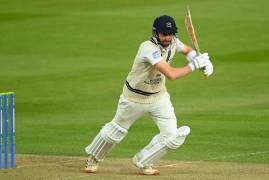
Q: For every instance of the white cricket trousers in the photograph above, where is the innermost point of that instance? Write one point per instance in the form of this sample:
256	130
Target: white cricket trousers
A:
161	112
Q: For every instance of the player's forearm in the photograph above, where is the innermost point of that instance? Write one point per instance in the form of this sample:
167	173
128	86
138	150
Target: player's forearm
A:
176	73
171	72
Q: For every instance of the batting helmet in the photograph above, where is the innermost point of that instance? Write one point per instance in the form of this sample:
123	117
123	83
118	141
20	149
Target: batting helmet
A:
164	24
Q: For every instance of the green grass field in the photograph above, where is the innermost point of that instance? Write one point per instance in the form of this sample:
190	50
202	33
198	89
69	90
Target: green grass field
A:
67	62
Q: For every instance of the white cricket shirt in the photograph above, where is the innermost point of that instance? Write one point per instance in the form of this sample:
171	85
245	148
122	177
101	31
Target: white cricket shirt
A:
144	83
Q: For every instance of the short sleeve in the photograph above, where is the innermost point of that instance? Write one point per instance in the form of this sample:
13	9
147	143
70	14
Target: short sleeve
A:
150	54
179	45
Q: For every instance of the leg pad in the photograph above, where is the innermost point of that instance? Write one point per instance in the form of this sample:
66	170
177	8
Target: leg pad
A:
159	146
105	140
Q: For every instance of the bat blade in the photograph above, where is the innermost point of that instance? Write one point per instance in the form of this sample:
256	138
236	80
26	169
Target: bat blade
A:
191	31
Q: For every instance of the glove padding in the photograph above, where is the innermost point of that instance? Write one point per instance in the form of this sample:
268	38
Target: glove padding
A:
208	69
199	62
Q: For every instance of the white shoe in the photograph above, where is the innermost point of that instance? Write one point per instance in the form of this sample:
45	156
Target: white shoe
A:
146	170
149	170
91	165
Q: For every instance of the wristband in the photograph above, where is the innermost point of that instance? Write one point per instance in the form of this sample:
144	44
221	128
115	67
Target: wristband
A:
191	55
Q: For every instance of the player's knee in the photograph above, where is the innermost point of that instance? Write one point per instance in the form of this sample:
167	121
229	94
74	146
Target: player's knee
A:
171	133
113	133
174	142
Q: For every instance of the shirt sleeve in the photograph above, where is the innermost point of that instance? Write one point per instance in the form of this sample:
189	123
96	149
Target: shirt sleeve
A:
150	54
179	45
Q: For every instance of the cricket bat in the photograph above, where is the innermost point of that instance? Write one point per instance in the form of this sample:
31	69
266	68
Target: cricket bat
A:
191	31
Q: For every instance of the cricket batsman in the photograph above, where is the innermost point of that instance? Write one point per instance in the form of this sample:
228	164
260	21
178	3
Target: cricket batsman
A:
144	91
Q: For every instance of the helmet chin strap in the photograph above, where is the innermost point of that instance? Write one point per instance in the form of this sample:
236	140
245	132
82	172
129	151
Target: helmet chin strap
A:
155	40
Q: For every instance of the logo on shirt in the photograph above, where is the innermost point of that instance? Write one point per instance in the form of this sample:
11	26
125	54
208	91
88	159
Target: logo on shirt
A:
154	81
156	55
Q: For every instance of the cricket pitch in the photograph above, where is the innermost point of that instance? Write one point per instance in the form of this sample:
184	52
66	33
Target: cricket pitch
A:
63	167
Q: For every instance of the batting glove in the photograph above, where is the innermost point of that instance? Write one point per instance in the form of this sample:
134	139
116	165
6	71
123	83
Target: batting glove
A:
208	69
199	62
